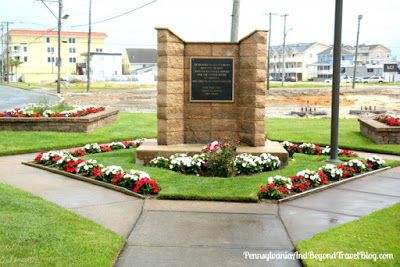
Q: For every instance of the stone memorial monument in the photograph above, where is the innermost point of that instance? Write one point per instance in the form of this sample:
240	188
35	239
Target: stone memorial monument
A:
210	91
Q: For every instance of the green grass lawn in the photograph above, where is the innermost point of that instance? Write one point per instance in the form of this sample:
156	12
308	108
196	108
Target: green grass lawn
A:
131	125
34	232
378	232
27	86
127	127
317	131
178	186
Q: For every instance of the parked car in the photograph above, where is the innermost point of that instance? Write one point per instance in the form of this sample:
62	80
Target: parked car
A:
358	79
290	79
365	79
375	79
344	79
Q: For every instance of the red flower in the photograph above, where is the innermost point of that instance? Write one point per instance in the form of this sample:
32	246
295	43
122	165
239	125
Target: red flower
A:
308	183
263	189
39	156
79	152
271	186
117	178
96	172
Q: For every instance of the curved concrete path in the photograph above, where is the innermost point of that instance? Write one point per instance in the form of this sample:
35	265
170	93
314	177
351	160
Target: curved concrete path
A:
201	233
11	97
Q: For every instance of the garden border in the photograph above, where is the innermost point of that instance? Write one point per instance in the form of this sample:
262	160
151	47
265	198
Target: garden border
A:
86	123
324	187
85	179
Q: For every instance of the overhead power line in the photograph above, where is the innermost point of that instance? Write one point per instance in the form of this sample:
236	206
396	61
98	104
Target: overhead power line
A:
116	16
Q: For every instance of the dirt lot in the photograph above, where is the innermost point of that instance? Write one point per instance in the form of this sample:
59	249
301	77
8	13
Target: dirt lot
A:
279	102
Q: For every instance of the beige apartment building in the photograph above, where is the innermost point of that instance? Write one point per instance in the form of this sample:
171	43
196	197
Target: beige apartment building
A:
37	52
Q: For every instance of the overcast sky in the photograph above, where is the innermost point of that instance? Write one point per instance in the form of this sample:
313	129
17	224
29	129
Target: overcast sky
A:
209	20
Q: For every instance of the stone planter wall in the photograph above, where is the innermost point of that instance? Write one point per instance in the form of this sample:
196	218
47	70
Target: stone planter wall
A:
379	132
76	124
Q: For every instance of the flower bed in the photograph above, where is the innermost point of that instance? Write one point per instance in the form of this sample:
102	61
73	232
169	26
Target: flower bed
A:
390	120
279	187
218	159
312	149
134	180
68	162
38	111
80	119
381	129
96	148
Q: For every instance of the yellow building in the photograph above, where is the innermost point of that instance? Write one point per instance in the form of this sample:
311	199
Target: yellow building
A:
37	50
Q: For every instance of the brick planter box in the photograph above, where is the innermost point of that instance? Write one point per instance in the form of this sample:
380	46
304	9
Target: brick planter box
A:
379	132
75	124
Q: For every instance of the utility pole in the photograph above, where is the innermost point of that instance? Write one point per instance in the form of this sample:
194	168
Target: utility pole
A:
356	55
59	47
269	46
284	47
235	20
7	50
2	54
337	47
88	51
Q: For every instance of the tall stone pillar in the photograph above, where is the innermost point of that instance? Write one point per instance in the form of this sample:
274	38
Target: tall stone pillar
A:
170	88
251	95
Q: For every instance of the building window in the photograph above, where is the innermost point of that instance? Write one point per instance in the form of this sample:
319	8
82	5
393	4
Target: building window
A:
47	39
72	60
370	70
17	58
50	59
99	50
71	40
25	59
50	49
72	50
25	49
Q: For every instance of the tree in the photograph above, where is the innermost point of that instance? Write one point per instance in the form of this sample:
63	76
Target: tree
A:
15	63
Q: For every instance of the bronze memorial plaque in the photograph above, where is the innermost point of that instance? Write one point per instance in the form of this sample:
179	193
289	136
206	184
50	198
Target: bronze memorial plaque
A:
211	80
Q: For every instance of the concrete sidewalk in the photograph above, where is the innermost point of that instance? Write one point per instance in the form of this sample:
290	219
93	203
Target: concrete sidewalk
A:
202	233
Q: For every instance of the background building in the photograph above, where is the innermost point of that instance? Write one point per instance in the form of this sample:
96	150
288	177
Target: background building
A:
139	60
299	60
103	66
370	61
324	64
36	50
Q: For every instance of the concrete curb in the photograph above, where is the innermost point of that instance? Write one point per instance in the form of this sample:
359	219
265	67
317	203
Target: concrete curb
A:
334	184
86	179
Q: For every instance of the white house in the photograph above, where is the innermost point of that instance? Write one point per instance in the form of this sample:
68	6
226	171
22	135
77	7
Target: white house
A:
299	60
105	66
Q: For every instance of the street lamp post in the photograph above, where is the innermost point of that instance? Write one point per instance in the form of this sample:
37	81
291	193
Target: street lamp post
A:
356	55
269	46
284	47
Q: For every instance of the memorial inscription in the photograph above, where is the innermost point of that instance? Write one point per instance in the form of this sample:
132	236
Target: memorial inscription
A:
211	80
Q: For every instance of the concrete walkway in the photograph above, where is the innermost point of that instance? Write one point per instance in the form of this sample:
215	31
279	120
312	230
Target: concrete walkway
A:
11	97
201	233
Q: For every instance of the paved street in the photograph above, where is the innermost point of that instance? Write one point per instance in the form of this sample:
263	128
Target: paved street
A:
203	233
11	97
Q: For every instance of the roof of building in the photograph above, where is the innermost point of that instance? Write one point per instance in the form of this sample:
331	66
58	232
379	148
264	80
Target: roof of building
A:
102	54
373	46
142	55
52	32
296	48
345	51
